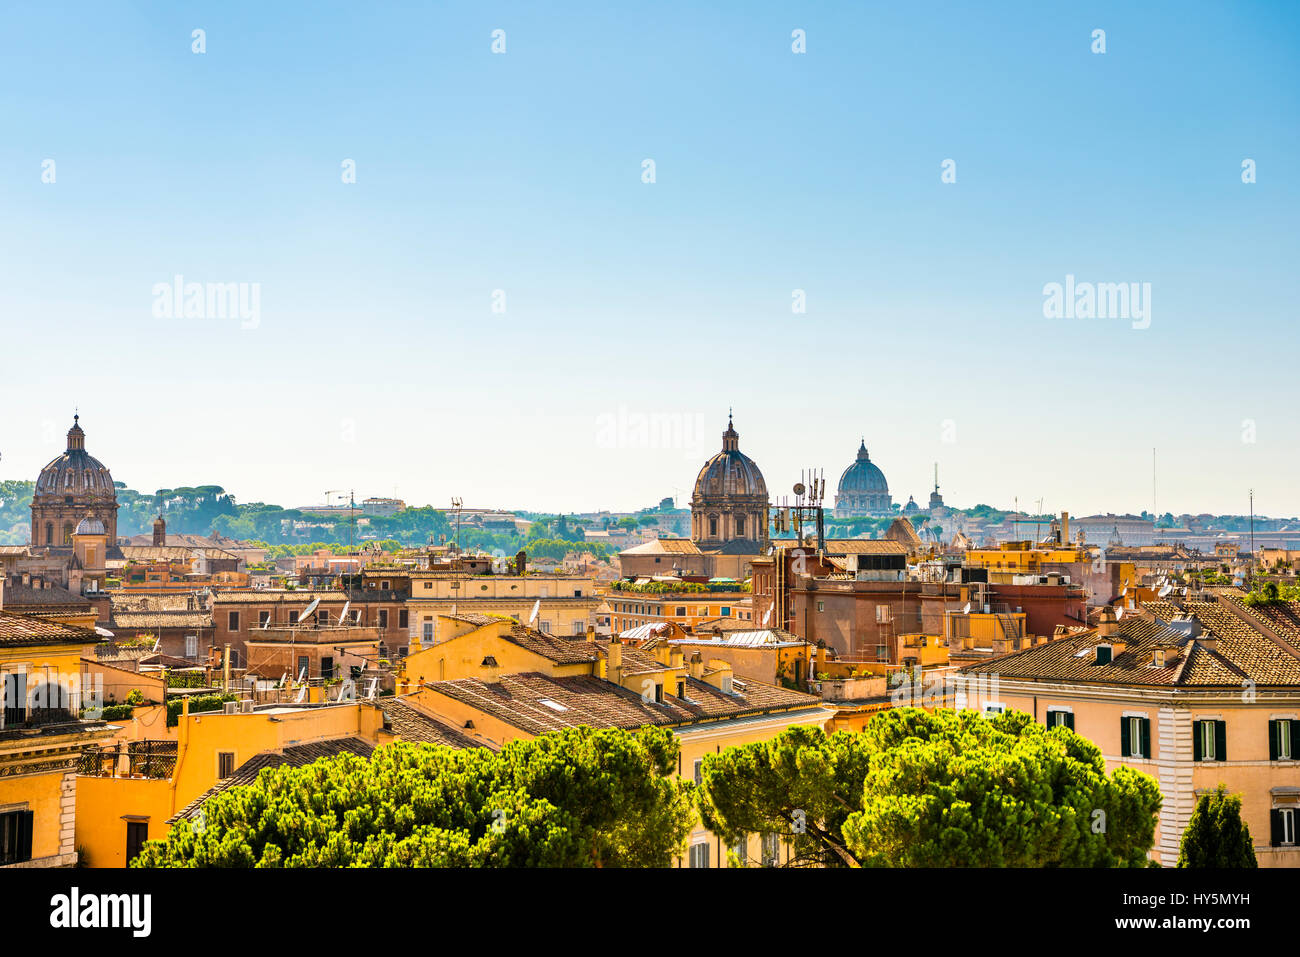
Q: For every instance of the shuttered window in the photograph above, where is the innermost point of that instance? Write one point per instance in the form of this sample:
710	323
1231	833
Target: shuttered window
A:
1209	740
1135	737
1283	820
1060	719
700	855
16	837
1282	736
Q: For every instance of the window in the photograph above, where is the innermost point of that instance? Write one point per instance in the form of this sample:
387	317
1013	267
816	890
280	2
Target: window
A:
137	832
993	708
225	764
740	525
15	697
327	666
713	526
546	627
699	766
403	619
1059	718
428	585
821	606
741	850
293	618
383	618
681	611
428	631
15	837
322	617
577	593
700	854
1283	826
882	652
1134	737
191	646
726	612
302	667
578	628
1209	740
681	689
232	621
659	694
263	619
771	849
1282	734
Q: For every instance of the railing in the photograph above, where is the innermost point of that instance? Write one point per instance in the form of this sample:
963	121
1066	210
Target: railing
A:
135	759
36	717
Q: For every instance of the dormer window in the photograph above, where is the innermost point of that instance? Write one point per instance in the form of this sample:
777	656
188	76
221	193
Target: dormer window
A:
1104	654
1158	658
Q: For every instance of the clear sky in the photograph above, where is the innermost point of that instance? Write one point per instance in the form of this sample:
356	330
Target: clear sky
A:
376	361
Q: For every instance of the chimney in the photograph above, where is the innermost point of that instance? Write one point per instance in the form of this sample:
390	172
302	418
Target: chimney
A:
493	669
591	634
614	668
677	657
521	562
697	666
1065	528
1107	624
2	592
159	532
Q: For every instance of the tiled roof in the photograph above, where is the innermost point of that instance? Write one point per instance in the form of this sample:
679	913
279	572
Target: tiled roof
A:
173	553
276	596
664	546
27	596
1238	653
32	630
162	619
412	724
562	651
522	700
295	756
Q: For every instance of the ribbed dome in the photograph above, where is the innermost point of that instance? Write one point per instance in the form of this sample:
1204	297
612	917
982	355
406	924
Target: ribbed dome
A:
862	476
729	473
76	472
90	526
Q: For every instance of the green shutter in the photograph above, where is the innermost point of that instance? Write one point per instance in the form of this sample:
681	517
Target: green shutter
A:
1125	745
1274	740
1069	720
1220	740
1198	738
1295	736
1275	818
1146	737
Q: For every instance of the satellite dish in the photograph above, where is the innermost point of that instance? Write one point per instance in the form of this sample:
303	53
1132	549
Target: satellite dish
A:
1165	590
966	610
799	488
283	678
1119	613
374	685
302	676
344	613
310	608
302	693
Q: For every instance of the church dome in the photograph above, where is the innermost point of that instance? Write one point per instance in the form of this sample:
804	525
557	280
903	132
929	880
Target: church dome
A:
75	472
90	526
730	473
862	475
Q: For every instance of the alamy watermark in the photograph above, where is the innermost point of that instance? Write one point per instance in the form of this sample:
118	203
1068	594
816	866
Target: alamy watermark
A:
179	299
1102	300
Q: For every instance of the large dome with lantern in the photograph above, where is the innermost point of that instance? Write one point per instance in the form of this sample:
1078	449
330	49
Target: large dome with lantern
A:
863	489
72	487
729	502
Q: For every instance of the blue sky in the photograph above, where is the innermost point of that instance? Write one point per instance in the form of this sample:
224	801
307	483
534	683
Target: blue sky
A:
377	361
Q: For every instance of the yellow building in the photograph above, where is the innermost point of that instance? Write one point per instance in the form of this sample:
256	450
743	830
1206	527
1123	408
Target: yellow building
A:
1191	694
565	604
502	682
131	792
42	739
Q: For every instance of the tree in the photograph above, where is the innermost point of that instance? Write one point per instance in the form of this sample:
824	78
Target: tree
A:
934	790
1216	836
573	798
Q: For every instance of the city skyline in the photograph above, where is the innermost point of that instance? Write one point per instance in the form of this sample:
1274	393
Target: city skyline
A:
777	487
454	273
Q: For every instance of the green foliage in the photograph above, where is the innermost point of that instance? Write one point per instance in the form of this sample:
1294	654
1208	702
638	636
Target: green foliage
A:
677	588
135	696
198	705
116	712
574	798
934	790
1216	836
1272	593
